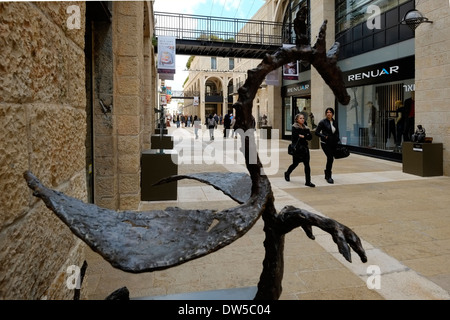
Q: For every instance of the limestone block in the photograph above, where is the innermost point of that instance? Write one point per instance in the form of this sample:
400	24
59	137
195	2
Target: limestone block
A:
127	105
103	146
57	11
127	85
128	144
106	202
105	186
39	62
129	202
128	125
129	185
13	162
40	256
127	66
104	166
128	163
129	8
57	138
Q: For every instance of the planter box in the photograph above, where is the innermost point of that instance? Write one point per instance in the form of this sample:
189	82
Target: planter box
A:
156	165
161	142
423	159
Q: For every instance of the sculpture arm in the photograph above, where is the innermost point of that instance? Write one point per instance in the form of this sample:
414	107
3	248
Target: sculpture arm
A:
345	238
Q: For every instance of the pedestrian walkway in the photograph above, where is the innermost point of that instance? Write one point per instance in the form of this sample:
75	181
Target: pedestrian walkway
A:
402	219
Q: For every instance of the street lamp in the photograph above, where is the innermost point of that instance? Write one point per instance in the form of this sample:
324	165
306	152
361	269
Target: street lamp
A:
413	18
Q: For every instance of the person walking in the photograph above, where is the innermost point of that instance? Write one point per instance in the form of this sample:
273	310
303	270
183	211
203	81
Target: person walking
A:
301	134
226	125
328	131
197	125
211	124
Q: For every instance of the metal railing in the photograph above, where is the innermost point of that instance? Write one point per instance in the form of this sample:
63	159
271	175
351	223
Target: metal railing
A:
185	94
217	29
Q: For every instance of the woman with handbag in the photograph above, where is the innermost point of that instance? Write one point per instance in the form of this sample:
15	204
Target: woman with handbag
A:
328	131
300	136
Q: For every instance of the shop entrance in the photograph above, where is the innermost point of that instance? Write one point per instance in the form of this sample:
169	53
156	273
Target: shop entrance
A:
292	106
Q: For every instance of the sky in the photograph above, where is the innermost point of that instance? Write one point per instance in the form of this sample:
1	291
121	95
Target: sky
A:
240	9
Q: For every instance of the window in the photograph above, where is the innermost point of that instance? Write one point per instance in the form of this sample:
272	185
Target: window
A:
361	28
213	63
231	64
351	13
371	118
289	17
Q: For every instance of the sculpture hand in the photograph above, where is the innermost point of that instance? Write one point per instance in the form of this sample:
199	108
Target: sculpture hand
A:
345	238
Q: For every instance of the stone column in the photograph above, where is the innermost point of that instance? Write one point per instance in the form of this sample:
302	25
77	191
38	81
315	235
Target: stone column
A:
129	98
432	43
321	95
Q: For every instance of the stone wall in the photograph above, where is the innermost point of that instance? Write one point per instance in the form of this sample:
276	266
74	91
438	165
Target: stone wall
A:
129	95
433	74
43	129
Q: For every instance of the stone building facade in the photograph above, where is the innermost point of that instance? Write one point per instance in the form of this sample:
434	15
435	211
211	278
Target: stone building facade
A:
391	42
77	89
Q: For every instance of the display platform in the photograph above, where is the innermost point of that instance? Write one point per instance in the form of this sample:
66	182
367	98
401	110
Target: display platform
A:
423	159
157	164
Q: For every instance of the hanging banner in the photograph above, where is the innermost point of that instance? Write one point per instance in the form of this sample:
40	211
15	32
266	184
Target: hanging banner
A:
196	102
166	76
290	70
166	55
163	101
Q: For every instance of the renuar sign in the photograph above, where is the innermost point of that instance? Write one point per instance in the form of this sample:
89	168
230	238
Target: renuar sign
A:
394	70
373	73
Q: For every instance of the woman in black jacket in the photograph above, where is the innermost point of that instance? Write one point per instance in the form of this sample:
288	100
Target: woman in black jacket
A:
328	131
300	136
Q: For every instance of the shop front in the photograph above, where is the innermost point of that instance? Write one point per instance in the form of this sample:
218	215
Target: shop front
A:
296	99
379	117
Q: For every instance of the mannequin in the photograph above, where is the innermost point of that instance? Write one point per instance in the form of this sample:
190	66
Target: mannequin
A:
410	113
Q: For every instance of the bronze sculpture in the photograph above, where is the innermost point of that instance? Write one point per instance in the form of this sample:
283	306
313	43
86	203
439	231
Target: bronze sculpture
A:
147	241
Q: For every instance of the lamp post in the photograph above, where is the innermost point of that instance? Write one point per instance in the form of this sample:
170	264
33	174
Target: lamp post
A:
413	18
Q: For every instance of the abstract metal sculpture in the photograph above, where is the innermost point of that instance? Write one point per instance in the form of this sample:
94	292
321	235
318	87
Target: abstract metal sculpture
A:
146	241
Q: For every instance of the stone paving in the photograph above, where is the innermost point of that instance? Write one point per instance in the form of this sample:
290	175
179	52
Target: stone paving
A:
402	219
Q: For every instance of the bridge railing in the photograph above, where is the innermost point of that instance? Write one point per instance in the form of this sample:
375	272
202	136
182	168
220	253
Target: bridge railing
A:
196	27
187	94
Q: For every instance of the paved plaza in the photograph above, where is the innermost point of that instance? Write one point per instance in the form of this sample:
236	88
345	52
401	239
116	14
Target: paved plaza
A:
403	221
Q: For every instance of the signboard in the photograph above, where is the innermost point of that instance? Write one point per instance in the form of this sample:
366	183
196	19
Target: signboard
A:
166	55
290	70
163	100
395	70
298	89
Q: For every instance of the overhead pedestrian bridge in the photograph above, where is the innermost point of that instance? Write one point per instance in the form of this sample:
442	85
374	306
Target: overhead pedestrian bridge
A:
217	36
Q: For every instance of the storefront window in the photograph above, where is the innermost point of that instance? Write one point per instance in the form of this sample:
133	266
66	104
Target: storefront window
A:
288	116
349	13
371	119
